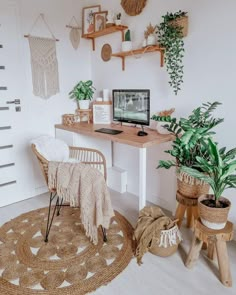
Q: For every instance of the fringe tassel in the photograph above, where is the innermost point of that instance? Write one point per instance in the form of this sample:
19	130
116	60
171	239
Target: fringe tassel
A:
170	237
183	176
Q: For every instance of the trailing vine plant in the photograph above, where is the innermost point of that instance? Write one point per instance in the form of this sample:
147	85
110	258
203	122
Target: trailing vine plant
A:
170	37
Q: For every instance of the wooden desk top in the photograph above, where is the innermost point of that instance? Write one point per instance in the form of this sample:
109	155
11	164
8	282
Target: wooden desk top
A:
128	136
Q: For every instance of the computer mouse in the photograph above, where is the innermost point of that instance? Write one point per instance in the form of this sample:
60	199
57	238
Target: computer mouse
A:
142	133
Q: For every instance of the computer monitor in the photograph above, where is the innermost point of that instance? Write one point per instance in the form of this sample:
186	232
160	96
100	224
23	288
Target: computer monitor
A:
131	106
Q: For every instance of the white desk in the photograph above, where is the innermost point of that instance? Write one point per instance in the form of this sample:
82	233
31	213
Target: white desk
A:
129	137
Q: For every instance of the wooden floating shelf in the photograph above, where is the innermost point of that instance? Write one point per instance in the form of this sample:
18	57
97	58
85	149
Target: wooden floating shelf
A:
147	49
106	31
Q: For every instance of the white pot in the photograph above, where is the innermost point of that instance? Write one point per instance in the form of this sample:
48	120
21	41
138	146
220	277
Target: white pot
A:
126	46
118	22
84	104
151	39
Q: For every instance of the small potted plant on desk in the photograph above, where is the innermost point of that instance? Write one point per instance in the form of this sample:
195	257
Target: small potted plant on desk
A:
219	172
190	141
83	93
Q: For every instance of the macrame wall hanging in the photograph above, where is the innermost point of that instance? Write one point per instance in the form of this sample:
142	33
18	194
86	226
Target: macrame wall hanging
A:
44	63
133	7
74	32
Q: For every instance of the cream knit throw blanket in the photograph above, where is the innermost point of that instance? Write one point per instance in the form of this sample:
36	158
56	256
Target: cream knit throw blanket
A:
84	186
44	66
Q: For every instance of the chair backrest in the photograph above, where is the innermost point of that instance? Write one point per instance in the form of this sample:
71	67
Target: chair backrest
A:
42	162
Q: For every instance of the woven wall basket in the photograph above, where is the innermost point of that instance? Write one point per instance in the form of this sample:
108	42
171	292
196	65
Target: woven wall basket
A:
133	7
168	242
183	23
191	187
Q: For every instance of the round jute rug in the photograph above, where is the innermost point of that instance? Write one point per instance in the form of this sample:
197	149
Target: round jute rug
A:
69	264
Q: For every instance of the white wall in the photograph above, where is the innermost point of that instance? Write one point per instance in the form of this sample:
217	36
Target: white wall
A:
40	115
210	63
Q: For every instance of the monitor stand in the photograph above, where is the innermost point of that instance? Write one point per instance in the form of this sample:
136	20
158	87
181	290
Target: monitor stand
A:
142	132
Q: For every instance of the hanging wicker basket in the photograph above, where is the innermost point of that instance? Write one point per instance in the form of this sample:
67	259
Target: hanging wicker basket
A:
191	187
181	22
168	242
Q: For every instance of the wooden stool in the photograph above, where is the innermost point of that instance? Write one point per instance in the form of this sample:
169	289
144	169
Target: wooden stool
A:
189	204
82	113
216	239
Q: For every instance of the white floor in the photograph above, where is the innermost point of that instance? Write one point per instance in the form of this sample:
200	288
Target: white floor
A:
156	276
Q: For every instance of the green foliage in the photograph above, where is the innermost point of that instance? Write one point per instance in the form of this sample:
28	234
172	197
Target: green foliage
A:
84	90
191	135
118	16
127	35
170	37
218	170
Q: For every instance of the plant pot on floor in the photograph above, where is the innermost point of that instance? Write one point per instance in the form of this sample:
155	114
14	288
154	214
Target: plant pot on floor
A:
191	187
212	217
84	104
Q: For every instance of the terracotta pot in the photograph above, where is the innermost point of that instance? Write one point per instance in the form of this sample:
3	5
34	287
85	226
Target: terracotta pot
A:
191	187
214	218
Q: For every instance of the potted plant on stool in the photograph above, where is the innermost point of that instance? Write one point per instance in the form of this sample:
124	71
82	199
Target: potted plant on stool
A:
191	135
83	93
219	172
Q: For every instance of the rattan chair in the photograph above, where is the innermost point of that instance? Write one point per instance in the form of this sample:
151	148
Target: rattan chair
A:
88	156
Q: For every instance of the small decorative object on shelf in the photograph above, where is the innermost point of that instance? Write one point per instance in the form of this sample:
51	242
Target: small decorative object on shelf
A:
110	19
68	119
83	93
127	44
170	36
118	19
149	34
99	20
87	19
84	115
133	7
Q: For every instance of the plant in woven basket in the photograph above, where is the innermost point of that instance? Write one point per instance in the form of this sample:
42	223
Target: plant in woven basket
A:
170	37
83	90
191	136
219	172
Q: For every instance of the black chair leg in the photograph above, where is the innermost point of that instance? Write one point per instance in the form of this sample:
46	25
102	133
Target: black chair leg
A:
49	222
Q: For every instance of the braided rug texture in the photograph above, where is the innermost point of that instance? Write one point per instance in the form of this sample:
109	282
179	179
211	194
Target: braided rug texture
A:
69	264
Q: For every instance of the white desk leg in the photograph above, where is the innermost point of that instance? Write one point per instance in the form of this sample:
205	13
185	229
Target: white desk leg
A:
142	177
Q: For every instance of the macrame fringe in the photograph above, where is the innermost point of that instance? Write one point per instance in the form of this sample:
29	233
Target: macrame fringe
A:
185	177
170	237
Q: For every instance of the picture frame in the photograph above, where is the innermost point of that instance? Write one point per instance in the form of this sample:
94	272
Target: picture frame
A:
88	19
99	20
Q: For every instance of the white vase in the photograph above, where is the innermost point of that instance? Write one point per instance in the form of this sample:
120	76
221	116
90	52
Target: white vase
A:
151	39
118	22
126	46
84	104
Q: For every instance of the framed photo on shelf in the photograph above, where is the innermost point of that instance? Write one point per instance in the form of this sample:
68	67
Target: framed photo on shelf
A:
88	19
99	20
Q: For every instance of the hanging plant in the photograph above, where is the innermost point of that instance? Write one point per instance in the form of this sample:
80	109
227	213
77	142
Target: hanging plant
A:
170	36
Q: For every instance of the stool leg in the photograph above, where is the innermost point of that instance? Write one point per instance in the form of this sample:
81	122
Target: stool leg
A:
223	261
211	250
189	217
194	252
179	214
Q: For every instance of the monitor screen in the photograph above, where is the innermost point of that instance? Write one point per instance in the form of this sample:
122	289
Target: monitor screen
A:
131	106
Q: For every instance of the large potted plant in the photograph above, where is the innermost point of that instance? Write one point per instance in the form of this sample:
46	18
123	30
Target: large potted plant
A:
190	141
83	93
219	172
170	36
